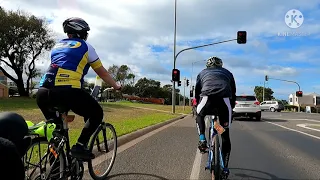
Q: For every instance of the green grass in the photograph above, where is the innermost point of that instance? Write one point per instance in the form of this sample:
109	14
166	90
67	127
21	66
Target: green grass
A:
124	118
179	109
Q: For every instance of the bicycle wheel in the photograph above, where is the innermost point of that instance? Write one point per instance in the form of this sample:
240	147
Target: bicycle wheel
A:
216	167
99	146
38	160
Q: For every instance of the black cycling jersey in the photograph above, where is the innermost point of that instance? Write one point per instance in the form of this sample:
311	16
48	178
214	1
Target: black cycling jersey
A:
218	82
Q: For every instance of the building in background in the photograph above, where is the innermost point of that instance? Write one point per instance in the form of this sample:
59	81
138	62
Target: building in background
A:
312	99
4	90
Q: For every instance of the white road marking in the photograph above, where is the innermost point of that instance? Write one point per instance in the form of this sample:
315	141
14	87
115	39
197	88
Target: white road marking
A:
316	137
306	127
195	172
311	120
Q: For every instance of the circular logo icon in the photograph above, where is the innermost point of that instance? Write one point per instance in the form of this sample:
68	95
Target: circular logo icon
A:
294	18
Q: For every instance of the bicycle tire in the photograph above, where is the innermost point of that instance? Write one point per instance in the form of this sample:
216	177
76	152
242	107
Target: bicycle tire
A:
216	173
35	142
102	127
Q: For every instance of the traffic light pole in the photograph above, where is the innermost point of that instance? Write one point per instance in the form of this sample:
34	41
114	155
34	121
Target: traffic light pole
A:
176	56
290	82
264	86
184	93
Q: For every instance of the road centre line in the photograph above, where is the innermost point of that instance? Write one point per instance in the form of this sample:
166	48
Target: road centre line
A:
316	137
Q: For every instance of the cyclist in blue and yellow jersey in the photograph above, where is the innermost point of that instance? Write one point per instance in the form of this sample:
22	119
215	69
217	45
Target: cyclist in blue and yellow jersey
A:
62	84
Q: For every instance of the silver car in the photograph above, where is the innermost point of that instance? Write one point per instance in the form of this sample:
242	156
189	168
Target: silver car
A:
272	106
247	106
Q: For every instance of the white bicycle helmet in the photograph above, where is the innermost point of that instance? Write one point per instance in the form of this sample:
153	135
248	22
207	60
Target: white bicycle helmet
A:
214	62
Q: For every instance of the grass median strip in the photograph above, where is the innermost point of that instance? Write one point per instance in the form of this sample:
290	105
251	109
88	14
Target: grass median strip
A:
124	118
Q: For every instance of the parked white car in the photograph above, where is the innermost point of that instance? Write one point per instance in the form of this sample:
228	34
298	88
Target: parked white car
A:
272	106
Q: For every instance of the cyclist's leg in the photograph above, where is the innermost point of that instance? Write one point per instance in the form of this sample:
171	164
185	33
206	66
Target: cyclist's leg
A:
225	115
44	103
83	104
201	126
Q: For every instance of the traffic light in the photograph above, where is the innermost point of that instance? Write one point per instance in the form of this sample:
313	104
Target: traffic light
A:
179	83
191	93
175	75
187	82
299	93
242	37
192	88
266	78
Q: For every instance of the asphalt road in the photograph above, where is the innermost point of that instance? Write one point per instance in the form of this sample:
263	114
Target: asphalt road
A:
274	148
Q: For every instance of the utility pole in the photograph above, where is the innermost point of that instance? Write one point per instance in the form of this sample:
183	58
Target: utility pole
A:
184	93
264	86
174	58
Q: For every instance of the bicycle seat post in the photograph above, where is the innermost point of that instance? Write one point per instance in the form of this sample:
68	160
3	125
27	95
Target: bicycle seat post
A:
65	123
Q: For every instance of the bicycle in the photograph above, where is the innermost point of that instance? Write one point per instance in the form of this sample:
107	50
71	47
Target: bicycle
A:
215	161
59	146
194	111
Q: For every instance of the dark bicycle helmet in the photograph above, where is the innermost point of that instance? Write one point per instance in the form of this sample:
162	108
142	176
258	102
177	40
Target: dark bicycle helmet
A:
214	62
14	128
76	27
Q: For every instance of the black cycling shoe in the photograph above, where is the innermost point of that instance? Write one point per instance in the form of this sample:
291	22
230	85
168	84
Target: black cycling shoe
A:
203	146
81	152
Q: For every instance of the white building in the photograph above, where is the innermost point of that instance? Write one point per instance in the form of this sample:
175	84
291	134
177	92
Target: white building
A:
312	99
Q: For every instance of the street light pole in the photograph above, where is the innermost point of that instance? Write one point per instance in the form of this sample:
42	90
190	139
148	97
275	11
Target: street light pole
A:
184	93
264	86
174	57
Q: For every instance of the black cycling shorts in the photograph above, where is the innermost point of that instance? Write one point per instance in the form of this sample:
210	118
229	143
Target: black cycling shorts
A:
209	103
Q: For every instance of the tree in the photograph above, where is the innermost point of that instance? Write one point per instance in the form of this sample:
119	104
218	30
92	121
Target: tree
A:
122	74
147	88
23	38
131	77
258	90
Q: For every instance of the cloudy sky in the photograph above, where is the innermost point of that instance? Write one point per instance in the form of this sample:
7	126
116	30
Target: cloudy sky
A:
139	33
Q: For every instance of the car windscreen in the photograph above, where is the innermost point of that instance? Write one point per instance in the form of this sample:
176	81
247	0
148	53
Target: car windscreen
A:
246	98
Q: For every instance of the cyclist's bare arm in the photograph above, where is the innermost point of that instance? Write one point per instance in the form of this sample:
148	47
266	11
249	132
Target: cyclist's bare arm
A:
97	66
105	76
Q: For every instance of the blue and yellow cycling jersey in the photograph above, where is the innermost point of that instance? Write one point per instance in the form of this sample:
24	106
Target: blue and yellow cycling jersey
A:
70	62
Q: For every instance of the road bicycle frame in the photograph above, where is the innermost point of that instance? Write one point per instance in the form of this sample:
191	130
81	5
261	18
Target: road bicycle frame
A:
212	133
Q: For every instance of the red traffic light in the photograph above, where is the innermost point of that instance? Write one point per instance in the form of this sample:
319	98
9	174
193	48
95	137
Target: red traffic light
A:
299	93
242	37
175	75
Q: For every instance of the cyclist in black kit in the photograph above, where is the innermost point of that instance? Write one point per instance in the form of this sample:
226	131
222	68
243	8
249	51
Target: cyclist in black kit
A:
215	88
